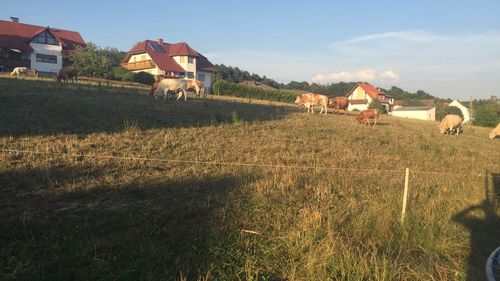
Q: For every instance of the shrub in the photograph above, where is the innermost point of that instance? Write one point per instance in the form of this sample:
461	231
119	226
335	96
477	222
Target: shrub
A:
120	74
443	111
232	89
143	78
378	105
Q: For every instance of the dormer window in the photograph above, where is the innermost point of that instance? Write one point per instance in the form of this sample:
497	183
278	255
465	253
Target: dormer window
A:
45	38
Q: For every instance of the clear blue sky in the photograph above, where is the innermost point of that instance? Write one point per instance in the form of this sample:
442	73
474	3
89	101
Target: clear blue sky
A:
448	48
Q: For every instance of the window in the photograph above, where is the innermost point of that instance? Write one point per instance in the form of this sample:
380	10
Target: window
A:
45	38
190	74
190	60
201	76
182	75
182	59
46	58
143	57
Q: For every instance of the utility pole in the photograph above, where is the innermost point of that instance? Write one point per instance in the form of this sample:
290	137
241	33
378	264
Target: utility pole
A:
471	110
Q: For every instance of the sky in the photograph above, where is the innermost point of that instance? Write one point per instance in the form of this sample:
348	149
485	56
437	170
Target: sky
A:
450	49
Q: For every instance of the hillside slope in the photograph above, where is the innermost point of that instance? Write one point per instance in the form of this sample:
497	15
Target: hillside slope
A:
108	184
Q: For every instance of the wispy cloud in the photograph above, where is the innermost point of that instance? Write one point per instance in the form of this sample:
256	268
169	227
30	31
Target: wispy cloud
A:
351	76
420	36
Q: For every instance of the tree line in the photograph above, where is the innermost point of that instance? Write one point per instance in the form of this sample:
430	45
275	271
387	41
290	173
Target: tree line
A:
237	75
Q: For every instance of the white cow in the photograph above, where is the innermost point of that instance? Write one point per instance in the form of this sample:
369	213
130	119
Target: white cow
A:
169	85
19	70
450	123
495	132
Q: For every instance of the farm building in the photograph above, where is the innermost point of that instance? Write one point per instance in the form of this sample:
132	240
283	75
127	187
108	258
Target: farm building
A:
176	60
465	110
363	94
36	47
416	112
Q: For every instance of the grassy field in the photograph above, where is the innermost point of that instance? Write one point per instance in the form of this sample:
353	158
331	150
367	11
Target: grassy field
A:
65	215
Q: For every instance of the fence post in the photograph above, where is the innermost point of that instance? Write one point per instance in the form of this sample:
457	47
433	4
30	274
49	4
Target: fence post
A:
405	195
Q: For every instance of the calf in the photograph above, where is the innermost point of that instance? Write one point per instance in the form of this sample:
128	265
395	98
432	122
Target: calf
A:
365	116
67	73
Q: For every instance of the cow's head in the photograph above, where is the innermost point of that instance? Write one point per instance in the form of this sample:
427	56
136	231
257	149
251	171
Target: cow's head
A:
442	130
331	102
492	135
298	102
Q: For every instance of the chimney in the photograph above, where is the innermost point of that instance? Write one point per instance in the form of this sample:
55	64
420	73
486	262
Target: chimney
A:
14	19
160	41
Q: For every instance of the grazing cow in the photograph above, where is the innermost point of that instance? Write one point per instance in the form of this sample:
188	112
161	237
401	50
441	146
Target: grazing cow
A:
169	85
495	132
338	103
19	70
365	116
309	100
450	124
197	86
67	73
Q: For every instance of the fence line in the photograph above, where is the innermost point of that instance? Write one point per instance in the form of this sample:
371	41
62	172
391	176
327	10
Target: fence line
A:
241	164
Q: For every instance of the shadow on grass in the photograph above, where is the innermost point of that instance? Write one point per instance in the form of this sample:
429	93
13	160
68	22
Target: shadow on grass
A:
483	222
147	230
47	108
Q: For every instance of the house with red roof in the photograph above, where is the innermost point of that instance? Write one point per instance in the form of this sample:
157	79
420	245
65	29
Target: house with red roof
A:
34	46
174	60
363	94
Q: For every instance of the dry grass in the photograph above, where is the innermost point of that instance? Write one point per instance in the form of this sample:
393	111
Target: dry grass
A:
83	218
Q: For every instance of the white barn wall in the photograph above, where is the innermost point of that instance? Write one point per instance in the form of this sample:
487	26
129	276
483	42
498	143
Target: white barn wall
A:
465	110
417	114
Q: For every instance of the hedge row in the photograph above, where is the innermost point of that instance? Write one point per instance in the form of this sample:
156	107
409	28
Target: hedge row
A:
231	89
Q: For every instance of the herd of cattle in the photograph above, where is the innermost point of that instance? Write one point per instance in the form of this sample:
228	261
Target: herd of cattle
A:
310	100
451	124
165	86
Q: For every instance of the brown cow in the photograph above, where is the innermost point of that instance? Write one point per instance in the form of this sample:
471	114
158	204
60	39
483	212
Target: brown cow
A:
67	73
309	100
339	103
365	116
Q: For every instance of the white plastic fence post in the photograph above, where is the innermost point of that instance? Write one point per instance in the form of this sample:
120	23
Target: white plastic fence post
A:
405	195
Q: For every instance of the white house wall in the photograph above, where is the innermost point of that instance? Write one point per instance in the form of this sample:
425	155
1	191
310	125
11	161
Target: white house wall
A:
359	94
188	67
208	78
46	49
139	57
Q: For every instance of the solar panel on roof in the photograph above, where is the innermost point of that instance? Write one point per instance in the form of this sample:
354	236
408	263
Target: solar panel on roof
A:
156	47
